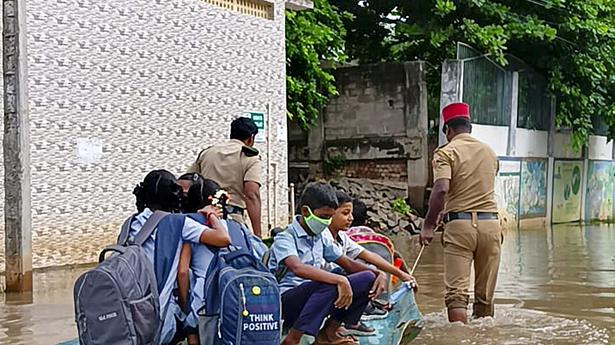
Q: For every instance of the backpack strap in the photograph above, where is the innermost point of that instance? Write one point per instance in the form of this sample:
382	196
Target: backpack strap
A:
122	239
166	248
237	233
149	227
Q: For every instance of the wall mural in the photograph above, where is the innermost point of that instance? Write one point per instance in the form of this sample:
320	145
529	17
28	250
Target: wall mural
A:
600	186
533	199
507	186
567	191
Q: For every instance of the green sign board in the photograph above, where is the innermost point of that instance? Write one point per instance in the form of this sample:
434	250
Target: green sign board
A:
259	120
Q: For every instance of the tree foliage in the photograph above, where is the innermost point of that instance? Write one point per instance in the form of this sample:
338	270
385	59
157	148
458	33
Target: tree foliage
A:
314	39
571	42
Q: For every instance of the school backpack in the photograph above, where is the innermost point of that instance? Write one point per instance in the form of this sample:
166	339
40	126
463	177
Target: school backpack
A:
116	303
242	302
378	244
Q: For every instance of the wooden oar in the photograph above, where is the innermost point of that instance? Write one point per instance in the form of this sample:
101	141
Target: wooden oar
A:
416	262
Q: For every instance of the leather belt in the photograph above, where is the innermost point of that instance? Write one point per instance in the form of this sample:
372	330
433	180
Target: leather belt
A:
449	217
230	209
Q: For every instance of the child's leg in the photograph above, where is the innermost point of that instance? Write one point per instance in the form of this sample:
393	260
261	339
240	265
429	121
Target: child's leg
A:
305	307
193	339
361	284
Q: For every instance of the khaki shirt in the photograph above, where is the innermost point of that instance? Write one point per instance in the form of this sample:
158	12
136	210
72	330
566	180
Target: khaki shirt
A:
228	165
471	165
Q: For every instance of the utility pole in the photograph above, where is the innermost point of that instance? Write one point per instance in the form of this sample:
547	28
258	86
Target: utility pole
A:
16	144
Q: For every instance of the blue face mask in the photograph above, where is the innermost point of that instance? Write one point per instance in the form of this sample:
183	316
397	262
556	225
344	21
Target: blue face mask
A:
316	224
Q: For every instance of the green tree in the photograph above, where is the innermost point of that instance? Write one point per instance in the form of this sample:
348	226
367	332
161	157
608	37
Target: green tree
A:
314	40
572	42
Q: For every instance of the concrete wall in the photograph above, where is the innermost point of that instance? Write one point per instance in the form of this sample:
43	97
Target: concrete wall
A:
118	88
599	148
492	135
531	143
377	124
562	146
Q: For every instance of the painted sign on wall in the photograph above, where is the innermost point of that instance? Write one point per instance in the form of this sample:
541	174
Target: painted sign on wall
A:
567	191
600	187
533	199
259	120
507	186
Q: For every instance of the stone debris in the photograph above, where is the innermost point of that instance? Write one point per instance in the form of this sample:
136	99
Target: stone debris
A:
378	196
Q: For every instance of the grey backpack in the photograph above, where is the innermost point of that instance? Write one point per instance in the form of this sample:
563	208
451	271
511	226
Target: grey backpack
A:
116	303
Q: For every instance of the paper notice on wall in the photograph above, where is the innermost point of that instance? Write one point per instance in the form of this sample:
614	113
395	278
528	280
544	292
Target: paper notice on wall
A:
281	132
89	150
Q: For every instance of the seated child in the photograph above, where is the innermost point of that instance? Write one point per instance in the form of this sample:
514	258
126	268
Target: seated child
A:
194	258
160	191
340	223
309	293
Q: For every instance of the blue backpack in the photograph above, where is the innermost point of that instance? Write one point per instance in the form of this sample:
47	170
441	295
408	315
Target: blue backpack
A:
242	304
242	298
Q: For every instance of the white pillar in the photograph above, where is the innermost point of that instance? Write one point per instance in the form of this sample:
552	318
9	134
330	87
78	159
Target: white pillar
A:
512	126
450	90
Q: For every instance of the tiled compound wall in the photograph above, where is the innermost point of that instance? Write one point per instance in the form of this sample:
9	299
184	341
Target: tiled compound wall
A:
118	88
541	178
567	190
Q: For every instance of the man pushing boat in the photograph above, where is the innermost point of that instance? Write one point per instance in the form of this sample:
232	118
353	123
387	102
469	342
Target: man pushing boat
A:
463	191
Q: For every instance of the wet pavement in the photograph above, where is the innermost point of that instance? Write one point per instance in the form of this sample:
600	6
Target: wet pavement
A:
556	287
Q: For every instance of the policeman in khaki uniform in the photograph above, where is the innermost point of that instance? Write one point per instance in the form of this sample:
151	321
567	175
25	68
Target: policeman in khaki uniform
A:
236	166
463	193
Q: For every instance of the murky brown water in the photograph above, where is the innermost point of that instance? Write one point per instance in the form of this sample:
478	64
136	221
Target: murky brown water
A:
556	287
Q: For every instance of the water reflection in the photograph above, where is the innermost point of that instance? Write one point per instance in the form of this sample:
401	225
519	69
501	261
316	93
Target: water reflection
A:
556	287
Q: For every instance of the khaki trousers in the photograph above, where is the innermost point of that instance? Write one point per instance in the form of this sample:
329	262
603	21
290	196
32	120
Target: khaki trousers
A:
467	241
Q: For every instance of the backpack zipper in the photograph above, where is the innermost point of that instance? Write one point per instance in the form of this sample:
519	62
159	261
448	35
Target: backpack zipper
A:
244	312
132	329
134	273
78	305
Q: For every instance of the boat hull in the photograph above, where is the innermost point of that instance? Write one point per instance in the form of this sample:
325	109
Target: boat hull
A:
400	327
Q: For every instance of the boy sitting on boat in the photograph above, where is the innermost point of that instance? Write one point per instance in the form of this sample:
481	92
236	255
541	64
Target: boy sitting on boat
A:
341	222
309	293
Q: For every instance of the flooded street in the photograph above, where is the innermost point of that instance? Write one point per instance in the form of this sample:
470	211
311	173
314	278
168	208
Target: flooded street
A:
556	287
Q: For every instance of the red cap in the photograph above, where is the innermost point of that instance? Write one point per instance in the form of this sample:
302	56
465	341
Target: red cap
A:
455	111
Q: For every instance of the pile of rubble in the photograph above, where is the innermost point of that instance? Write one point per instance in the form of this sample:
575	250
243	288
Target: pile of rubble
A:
379	196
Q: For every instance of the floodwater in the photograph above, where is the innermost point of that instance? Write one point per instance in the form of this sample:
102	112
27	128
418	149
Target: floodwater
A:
556	287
